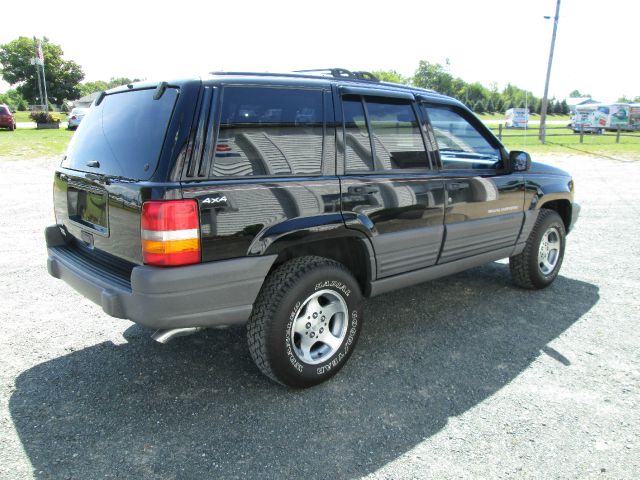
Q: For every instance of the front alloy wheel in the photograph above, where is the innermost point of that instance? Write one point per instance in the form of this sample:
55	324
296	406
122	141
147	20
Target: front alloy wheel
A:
538	264
549	251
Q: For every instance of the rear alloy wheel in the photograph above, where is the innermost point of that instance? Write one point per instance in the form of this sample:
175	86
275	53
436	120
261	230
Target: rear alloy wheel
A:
320	326
305	321
538	264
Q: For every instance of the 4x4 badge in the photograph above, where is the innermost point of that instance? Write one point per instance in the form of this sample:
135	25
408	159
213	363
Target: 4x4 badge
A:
222	200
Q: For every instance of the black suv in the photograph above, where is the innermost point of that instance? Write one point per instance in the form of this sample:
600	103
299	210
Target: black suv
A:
280	201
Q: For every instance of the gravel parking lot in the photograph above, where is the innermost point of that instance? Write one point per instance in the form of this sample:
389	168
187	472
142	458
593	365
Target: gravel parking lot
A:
465	377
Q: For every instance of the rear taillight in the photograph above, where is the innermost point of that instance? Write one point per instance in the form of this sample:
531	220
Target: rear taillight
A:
170	233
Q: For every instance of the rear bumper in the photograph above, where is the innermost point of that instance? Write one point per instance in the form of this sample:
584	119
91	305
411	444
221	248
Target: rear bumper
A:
204	295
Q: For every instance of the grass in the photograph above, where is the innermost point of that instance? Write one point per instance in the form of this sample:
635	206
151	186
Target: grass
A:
24	116
27	143
562	140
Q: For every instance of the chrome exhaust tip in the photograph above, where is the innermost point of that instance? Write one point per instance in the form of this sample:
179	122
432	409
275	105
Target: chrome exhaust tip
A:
164	336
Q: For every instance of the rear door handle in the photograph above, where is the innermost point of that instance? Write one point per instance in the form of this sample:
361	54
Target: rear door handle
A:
362	190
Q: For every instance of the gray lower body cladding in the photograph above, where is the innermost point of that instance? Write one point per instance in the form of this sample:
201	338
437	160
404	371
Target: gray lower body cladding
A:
203	295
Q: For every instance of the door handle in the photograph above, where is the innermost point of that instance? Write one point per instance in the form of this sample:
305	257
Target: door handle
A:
362	190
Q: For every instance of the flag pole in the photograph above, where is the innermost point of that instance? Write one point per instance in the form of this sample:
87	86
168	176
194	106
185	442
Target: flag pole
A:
35	64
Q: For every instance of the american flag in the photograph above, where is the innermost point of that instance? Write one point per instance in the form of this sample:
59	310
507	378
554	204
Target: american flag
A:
39	54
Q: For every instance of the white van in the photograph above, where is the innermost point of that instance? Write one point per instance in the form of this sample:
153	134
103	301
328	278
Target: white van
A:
616	115
517	118
588	118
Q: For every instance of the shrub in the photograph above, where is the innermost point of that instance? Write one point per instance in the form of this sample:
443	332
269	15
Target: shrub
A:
45	117
479	107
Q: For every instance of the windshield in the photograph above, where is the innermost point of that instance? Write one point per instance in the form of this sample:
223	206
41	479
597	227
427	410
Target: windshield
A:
124	134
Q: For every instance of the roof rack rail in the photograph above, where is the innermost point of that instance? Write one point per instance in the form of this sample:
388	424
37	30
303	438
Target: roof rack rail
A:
342	73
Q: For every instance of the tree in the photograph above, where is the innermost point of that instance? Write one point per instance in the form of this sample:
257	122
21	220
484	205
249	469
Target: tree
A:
557	108
500	105
564	107
577	94
625	99
434	77
100	85
536	107
13	100
62	75
386	76
478	107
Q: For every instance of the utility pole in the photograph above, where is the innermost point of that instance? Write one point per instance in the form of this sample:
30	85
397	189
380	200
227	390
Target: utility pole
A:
545	99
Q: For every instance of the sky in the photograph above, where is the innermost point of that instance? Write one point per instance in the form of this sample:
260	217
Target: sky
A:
501	41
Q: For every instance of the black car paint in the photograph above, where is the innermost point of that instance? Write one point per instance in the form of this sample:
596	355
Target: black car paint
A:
299	210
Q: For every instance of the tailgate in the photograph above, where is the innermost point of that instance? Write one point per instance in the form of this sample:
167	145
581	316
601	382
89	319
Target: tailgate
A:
108	170
100	216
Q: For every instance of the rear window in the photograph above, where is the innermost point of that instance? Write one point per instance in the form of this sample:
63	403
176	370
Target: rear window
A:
4	111
124	134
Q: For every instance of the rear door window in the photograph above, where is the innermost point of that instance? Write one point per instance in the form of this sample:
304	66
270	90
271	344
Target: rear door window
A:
357	142
124	134
396	134
382	134
267	131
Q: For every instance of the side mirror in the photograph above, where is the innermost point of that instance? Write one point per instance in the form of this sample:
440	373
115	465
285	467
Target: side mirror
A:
519	161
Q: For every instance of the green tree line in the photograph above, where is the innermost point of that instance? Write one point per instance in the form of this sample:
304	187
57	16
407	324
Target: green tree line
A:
478	97
64	79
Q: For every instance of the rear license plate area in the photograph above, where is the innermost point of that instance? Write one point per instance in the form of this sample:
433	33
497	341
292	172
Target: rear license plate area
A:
87	207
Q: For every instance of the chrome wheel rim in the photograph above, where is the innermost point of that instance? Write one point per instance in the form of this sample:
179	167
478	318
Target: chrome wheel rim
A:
319	327
549	251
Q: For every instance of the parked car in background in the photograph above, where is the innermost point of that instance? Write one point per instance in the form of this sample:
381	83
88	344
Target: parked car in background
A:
75	117
6	118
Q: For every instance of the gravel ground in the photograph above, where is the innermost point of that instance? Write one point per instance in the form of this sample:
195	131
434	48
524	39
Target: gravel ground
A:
465	377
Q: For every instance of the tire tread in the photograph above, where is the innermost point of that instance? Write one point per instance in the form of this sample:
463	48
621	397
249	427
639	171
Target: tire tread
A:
277	284
519	264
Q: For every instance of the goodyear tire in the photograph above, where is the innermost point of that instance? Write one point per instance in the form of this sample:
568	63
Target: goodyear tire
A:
537	266
305	322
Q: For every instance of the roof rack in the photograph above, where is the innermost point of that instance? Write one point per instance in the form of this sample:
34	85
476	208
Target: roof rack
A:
342	73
